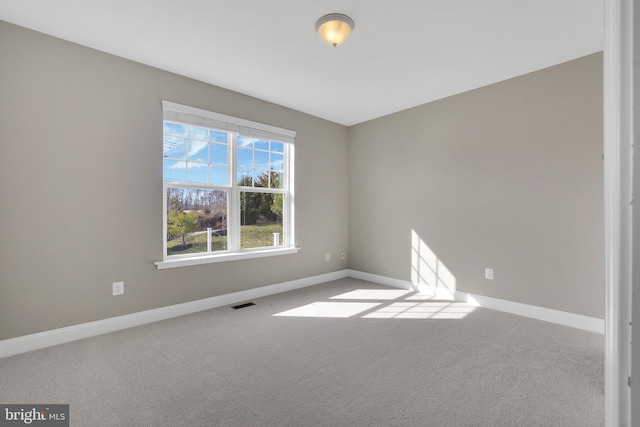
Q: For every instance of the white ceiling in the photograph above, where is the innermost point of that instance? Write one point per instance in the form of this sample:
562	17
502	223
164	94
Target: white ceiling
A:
401	54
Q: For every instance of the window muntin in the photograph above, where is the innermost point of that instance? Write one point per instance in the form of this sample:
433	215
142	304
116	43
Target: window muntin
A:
260	163
195	154
211	180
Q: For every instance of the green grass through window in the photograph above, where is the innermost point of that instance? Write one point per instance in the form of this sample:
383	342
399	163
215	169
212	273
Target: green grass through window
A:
252	236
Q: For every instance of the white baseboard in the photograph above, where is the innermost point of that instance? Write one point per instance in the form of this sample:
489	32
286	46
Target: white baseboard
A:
579	321
40	340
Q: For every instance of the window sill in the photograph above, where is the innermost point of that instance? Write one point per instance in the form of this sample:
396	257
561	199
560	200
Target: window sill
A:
237	256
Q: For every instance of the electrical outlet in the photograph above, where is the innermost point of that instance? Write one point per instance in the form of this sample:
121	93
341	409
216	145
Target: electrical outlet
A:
117	288
488	273
343	256
327	256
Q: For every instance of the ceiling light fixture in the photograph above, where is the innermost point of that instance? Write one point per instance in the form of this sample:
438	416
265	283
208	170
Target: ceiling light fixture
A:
335	28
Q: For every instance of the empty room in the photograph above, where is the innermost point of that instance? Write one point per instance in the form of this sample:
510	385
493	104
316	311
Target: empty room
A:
302	213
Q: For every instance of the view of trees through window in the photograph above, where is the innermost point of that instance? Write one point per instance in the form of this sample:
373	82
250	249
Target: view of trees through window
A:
190	213
260	213
224	191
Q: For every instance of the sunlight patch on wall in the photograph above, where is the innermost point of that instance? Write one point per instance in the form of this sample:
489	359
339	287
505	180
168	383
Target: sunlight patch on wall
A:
426	268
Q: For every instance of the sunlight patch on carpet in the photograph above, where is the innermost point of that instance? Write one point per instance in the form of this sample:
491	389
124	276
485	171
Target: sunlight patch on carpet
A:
428	310
329	309
383	304
374	294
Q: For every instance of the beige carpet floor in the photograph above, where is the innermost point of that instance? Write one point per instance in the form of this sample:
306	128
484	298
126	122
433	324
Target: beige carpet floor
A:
344	353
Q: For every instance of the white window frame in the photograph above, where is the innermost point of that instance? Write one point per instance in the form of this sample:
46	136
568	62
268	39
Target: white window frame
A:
235	127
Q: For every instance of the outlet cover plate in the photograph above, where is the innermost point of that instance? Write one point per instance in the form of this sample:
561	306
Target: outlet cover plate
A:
118	288
488	273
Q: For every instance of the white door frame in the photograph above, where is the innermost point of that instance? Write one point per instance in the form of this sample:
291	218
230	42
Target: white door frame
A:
618	124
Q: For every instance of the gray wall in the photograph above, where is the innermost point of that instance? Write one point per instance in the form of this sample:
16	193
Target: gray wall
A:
508	176
81	187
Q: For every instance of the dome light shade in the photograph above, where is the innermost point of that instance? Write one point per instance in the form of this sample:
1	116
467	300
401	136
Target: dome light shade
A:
335	28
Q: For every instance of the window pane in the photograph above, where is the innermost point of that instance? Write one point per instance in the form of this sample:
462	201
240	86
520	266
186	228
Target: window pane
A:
218	153
260	178
198	133
261	159
245	158
218	175
218	136
260	218
277	162
262	145
175	129
245	177
175	170
190	211
198	150
244	141
197	172
277	147
276	179
175	147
